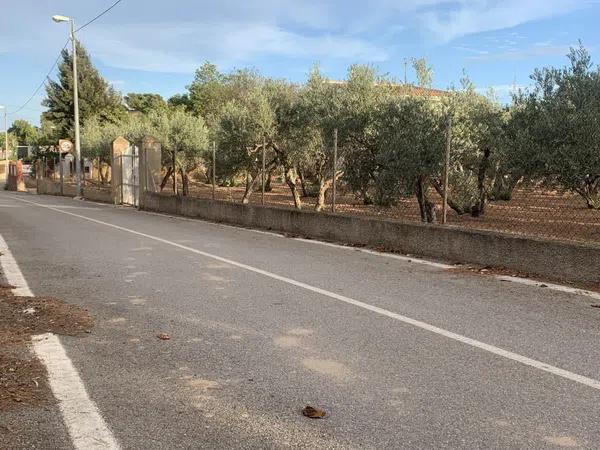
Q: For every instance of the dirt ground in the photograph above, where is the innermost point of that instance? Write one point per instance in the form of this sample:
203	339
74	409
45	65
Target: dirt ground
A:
22	376
531	212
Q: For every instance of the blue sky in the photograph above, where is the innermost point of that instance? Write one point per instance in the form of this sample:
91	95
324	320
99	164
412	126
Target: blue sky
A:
155	46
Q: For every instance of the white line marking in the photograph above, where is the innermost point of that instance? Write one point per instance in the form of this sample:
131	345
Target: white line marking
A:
382	254
12	273
384	312
554	287
83	420
86	426
406	258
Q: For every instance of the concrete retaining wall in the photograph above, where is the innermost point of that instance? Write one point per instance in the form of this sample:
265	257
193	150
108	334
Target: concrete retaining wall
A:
563	261
49	187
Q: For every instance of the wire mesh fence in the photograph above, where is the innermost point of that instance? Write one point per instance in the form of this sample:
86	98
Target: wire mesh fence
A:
532	211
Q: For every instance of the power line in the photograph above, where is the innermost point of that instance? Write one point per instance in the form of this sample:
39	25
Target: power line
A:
59	55
99	15
43	81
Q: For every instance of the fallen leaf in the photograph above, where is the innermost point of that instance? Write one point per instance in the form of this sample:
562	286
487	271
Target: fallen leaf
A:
313	413
163	336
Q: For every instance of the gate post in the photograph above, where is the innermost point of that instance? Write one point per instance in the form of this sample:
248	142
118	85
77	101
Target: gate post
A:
119	147
149	166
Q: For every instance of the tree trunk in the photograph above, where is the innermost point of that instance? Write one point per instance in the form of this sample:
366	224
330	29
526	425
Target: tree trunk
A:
479	208
591	192
103	175
250	186
324	185
174	173
451	203
268	187
186	182
163	183
302	183
290	180
426	207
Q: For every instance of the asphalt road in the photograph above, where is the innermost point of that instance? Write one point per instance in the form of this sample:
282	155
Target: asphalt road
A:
259	328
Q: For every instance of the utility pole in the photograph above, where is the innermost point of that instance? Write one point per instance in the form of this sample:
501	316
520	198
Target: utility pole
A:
58	19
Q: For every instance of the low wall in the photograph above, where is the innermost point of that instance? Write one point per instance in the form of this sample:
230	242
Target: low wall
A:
557	260
49	187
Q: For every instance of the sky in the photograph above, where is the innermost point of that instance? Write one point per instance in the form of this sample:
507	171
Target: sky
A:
155	46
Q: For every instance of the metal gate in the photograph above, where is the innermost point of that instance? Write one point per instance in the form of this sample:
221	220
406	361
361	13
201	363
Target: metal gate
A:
130	176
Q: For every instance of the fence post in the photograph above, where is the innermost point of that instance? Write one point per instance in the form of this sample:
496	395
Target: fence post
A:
61	174
447	168
262	199
333	192
214	169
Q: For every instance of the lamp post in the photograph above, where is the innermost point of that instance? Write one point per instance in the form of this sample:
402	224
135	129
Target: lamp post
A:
59	19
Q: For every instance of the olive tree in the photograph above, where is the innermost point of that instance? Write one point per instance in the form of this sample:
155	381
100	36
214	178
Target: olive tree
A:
555	127
477	148
409	144
181	134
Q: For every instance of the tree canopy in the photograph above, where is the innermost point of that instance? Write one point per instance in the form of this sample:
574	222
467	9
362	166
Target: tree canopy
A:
96	96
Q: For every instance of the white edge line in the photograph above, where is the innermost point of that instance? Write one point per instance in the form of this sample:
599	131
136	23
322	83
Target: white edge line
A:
84	423
12	273
409	259
81	416
590	382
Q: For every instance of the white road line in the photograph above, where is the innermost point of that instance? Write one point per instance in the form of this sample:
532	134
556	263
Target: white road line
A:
83	420
590	382
406	258
86	426
12	273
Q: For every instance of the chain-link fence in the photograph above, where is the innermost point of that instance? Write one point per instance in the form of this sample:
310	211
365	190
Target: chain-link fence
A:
533	210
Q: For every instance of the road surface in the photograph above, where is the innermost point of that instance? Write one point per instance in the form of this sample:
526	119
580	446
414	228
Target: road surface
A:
400	354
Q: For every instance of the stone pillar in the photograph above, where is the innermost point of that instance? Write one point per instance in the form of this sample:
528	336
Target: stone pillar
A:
150	165
120	146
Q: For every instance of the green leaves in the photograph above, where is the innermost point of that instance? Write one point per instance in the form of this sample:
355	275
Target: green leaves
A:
554	128
96	97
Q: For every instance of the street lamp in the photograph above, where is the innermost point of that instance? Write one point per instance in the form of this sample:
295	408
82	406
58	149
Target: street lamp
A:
58	19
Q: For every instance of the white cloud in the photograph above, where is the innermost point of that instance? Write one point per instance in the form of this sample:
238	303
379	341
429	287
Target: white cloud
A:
182	47
517	54
475	16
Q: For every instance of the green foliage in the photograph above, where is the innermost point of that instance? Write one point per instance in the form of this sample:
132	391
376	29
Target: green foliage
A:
145	103
478	127
25	133
96	97
178	131
424	72
554	128
12	142
410	142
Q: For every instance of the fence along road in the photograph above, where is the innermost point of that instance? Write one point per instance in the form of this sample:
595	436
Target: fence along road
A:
248	350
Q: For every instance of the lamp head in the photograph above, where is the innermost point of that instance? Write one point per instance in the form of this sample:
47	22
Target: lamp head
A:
58	18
